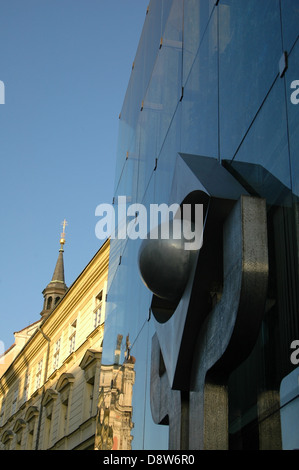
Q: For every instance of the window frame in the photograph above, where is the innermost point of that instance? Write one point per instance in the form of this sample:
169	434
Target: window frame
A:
98	310
72	336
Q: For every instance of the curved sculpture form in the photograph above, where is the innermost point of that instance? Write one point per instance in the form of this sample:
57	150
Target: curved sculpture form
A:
225	337
165	265
230	330
205	332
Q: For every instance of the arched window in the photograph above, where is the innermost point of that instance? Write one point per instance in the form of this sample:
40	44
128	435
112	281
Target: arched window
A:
57	300
49	303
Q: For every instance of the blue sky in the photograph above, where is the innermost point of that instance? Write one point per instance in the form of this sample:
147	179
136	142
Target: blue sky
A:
65	65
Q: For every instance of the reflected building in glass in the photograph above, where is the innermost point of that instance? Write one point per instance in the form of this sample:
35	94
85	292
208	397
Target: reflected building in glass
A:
208	119
114	418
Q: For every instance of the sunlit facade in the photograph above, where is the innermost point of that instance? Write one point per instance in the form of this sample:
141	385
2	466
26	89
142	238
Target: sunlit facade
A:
213	79
49	389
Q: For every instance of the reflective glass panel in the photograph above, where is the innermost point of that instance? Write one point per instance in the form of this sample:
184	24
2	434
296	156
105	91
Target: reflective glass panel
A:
163	95
199	132
196	17
249	52
264	153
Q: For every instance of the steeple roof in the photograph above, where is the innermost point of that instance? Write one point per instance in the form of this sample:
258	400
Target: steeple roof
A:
56	287
58	275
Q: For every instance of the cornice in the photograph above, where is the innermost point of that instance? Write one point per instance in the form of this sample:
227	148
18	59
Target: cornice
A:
37	344
21	361
73	297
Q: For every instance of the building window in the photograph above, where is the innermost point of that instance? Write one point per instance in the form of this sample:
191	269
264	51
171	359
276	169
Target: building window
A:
56	354
30	440
49	303
64	387
18	429
48	404
90	364
30	418
72	337
47	431
39	374
97	314
26	386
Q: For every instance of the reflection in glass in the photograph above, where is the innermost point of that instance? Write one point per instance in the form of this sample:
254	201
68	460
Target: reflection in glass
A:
114	418
205	81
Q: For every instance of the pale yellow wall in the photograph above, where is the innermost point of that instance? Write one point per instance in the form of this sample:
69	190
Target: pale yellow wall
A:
78	304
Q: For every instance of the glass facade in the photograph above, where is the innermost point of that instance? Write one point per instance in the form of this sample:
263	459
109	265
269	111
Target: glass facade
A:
208	80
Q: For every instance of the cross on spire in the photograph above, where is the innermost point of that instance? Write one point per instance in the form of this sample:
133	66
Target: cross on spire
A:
62	239
64	224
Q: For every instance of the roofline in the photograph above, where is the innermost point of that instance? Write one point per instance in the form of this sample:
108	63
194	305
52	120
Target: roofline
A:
9	349
28	326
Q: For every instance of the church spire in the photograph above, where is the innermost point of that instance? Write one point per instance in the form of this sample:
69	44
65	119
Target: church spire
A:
56	287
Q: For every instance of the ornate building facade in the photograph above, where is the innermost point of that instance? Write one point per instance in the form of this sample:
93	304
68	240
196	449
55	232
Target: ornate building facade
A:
49	384
114	420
